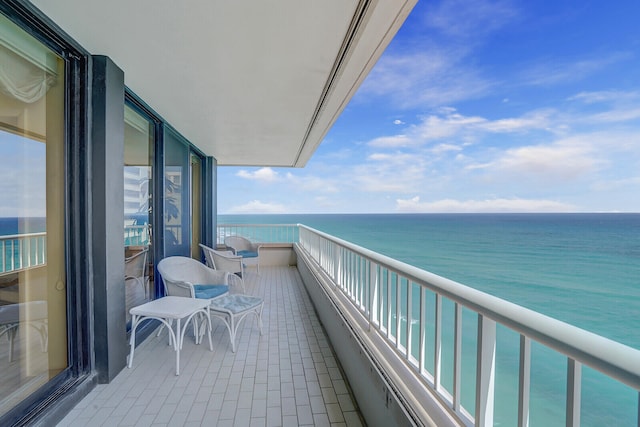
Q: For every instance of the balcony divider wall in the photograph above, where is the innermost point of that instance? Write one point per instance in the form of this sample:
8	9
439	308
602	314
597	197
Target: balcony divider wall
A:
107	192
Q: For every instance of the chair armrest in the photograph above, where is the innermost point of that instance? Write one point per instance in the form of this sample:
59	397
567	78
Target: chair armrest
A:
185	286
218	277
235	281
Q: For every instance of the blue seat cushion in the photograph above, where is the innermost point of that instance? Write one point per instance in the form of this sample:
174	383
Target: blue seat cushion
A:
210	291
247	254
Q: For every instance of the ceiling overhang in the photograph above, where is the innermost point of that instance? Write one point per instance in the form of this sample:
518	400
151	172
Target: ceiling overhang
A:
249	83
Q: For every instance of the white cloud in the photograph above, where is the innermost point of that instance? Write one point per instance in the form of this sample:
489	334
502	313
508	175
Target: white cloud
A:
430	76
632	183
470	20
565	159
540	119
552	71
496	205
398	122
613	96
443	148
448	124
392	141
617	115
313	184
258	207
262	174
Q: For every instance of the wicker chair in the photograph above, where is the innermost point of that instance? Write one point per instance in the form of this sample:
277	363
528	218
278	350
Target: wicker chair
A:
249	251
134	270
225	261
186	277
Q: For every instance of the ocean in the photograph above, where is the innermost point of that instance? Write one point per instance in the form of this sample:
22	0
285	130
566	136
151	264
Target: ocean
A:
583	269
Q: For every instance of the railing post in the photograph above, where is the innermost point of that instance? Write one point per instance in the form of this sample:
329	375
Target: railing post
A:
437	345
423	329
574	379
373	293
485	372
457	358
388	303
408	316
398	309
524	385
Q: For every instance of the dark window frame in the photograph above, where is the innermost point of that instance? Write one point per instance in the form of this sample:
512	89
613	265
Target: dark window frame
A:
52	399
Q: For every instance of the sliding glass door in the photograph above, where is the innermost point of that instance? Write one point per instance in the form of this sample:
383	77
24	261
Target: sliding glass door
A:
182	197
138	187
33	297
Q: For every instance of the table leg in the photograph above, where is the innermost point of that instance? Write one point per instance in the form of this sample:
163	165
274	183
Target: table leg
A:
234	325
209	328
179	346
132	340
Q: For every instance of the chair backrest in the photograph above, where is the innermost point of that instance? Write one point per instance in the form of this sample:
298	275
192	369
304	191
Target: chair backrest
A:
179	274
238	243
206	251
223	260
134	266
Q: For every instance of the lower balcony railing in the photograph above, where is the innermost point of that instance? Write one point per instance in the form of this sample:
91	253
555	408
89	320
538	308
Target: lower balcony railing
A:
22	251
420	315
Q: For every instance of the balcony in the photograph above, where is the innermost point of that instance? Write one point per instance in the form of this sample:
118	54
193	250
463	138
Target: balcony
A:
412	347
287	376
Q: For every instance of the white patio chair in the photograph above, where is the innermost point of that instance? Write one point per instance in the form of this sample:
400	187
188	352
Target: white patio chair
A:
225	261
31	313
134	270
249	251
187	277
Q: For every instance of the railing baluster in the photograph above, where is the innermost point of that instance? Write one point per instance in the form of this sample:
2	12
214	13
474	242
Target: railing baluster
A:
27	248
408	326
574	380
524	385
372	304
423	330
485	371
457	357
437	345
388	303
398	309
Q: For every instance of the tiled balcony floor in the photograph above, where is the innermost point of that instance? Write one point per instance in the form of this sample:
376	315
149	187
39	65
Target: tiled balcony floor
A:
289	376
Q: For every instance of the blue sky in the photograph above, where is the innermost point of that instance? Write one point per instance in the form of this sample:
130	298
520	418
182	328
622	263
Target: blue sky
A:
478	106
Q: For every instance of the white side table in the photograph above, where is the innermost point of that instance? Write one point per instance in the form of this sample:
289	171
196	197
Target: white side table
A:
235	307
166	310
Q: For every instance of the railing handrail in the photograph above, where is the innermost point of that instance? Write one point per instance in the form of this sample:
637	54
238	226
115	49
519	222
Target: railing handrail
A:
607	356
21	236
257	225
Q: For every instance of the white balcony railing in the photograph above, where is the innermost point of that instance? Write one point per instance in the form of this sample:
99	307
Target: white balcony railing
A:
136	235
260	233
405	306
22	251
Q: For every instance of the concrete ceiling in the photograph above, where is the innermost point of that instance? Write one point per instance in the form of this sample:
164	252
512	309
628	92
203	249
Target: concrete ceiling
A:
248	82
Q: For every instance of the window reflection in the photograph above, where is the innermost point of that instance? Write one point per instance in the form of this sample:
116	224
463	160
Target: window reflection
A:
138	151
33	332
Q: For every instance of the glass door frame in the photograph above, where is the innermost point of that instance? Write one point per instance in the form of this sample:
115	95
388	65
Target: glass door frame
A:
48	398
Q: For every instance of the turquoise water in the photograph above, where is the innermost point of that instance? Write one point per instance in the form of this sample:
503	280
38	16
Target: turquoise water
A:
583	269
